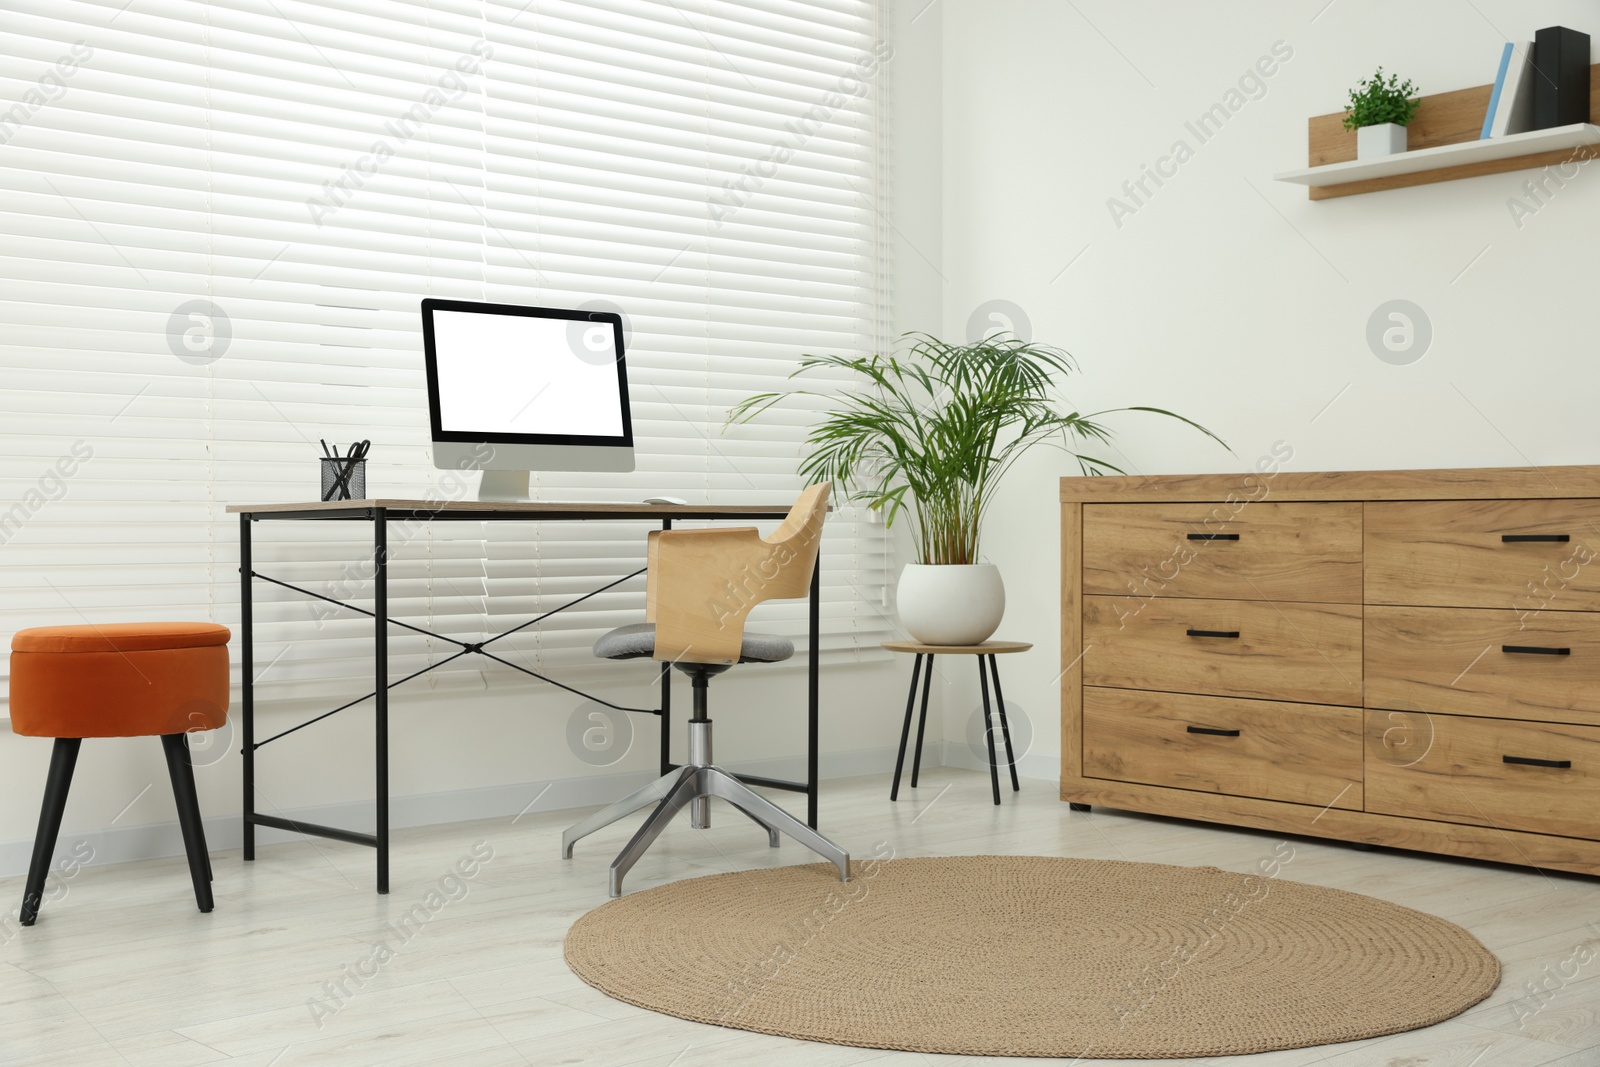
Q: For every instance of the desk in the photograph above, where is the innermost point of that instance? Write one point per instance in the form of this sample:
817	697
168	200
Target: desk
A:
380	513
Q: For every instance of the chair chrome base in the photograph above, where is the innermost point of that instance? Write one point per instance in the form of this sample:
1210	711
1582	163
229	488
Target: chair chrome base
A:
692	786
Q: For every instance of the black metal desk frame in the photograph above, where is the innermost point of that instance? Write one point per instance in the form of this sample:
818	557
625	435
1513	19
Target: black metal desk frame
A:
379	513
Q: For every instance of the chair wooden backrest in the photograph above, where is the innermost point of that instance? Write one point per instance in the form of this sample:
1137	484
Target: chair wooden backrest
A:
701	584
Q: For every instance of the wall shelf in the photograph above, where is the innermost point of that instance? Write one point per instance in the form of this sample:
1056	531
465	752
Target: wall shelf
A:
1446	162
1445	146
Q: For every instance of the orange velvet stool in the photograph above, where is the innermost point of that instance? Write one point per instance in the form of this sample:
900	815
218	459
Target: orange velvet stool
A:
162	679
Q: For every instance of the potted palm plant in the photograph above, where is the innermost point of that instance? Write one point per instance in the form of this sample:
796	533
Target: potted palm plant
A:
930	432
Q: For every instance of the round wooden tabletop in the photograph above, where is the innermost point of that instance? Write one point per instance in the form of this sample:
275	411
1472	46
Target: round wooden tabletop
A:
988	648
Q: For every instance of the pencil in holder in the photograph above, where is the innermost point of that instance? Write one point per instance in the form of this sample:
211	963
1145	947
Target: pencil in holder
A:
344	478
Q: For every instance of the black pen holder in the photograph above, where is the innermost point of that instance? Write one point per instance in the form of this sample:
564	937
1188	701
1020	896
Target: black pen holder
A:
344	478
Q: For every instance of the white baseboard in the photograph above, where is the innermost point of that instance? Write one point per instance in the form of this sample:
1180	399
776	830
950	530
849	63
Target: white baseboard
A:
223	832
1029	765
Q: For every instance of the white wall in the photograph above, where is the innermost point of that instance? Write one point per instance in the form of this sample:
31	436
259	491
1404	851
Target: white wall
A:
1230	297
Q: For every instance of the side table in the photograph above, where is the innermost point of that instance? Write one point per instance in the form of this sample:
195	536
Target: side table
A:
986	654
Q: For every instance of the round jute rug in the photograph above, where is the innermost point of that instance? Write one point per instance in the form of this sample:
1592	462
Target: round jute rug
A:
1031	956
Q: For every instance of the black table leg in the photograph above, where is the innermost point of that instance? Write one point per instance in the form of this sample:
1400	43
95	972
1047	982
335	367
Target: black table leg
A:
247	689
905	729
1005	727
988	731
380	614
665	719
922	718
812	677
666	703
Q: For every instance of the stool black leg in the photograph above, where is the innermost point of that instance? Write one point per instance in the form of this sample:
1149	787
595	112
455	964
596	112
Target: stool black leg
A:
922	718
62	761
1005	727
905	730
988	731
1075	806
181	771
199	823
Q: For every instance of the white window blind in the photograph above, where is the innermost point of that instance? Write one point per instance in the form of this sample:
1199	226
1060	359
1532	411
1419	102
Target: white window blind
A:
220	218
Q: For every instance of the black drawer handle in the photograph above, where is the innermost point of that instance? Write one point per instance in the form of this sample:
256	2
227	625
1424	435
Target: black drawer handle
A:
1535	650
1214	732
1213	537
1523	538
1530	761
1212	633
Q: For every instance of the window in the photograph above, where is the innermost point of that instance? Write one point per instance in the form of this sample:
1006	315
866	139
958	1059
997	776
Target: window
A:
222	216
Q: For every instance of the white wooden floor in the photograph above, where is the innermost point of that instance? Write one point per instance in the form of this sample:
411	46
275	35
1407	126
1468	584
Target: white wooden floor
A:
124	970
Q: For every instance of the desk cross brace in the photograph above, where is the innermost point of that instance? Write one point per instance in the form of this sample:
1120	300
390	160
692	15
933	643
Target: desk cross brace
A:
467	648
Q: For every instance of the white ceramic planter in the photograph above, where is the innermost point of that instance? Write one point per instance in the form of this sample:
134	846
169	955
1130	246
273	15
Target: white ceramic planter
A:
958	604
1384	139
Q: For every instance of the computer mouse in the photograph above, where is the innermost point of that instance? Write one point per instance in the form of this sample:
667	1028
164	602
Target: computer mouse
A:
666	500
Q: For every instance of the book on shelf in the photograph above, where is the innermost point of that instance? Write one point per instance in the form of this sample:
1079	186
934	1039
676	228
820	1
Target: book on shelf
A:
1561	78
1511	101
1494	94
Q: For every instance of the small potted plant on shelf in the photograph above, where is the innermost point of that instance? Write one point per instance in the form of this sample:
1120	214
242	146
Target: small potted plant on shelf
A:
931	431
1380	110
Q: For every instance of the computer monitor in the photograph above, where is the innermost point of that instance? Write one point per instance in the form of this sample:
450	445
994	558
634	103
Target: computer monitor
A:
514	389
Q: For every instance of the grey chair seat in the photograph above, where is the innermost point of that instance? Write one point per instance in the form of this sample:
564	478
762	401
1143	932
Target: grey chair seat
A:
638	640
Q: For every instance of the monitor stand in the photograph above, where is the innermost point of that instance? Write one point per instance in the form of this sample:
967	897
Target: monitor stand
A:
505	485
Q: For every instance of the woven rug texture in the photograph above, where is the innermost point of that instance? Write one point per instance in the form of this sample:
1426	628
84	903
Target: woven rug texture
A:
1032	956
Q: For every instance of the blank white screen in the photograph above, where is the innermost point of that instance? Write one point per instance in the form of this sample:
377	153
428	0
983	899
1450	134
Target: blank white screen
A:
519	374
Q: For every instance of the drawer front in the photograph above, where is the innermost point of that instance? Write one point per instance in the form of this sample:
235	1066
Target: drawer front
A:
1300	753
1462	775
1301	652
1473	661
1456	553
1242	551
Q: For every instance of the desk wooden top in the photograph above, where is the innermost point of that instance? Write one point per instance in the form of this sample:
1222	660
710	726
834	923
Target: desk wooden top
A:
524	507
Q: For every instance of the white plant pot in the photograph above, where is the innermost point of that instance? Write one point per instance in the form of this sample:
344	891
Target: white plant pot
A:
951	604
1385	139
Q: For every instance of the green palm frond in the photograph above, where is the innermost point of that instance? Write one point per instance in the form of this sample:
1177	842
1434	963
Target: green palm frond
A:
932	430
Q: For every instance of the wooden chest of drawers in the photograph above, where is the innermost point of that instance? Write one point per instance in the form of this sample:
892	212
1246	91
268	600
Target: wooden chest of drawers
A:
1402	658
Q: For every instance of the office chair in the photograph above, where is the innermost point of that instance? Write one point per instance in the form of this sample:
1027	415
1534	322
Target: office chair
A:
701	584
